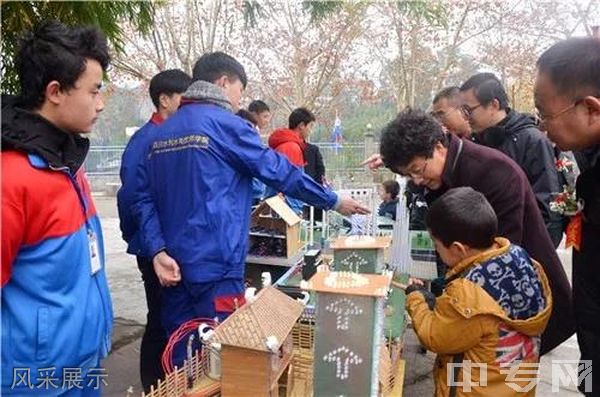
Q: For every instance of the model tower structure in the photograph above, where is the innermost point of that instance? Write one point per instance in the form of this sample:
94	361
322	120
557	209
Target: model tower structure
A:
349	332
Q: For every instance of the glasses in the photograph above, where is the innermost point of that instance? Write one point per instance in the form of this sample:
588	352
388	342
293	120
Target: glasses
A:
440	115
547	117
418	173
468	110
444	114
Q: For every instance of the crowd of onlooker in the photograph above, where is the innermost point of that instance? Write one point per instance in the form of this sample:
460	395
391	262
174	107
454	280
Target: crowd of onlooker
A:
485	180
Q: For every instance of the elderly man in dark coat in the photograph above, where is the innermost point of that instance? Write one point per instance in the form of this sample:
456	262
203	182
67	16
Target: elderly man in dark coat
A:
567	95
414	145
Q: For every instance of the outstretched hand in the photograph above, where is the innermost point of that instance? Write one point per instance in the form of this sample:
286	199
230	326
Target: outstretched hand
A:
374	162
416	281
349	206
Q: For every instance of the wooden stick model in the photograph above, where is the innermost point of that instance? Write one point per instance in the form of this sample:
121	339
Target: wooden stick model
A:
399	285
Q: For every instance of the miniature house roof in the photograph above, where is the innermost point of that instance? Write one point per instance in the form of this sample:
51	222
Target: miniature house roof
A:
271	314
277	204
361	242
349	283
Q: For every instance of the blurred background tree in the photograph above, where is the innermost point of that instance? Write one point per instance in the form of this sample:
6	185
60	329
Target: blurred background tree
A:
360	60
20	16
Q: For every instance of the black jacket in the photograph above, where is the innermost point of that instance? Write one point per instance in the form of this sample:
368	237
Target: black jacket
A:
519	138
586	273
314	162
586	158
588	190
28	132
416	200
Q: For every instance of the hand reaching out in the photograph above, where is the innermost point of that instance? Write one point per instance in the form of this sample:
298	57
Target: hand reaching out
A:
374	162
349	206
415	281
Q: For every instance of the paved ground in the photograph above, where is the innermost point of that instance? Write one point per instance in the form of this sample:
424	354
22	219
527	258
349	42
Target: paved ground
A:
129	308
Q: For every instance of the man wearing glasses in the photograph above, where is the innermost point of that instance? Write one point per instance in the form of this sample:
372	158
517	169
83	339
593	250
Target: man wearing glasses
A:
447	110
495	125
567	96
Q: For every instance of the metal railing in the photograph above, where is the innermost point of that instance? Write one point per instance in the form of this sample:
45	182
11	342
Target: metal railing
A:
104	160
340	161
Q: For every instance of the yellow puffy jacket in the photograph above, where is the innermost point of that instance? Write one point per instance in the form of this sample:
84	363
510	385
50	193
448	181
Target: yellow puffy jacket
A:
497	353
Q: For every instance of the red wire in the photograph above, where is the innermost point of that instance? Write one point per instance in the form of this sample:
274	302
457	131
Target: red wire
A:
181	333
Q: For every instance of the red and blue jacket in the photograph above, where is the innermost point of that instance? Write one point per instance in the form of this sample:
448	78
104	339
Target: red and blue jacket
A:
132	174
56	306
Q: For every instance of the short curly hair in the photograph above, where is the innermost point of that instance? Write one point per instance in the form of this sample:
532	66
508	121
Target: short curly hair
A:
413	133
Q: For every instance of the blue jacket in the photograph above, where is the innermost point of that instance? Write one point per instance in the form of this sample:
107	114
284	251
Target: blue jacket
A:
200	171
388	209
132	171
258	190
56	306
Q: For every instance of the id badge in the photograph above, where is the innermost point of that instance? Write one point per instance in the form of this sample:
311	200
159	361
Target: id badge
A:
94	252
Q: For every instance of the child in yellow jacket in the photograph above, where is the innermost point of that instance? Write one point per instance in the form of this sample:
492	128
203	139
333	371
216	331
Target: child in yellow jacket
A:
486	325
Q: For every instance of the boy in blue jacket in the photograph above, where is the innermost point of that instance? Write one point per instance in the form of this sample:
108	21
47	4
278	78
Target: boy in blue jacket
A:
194	214
165	91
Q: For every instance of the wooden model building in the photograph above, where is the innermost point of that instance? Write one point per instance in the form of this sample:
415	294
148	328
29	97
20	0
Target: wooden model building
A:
191	380
360	254
274	234
256	344
348	332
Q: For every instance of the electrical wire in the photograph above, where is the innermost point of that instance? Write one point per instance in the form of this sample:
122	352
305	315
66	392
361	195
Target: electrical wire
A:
179	335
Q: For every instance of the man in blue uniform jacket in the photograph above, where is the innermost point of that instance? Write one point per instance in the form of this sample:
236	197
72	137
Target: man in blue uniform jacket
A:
195	210
165	91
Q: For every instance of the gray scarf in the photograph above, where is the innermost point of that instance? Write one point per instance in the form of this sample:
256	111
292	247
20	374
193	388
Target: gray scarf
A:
203	91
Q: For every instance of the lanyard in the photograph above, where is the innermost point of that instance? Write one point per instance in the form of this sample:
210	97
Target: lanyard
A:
82	201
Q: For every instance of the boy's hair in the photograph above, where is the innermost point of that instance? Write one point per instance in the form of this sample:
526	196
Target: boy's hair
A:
54	52
168	82
463	215
300	115
573	66
257	106
246	115
486	88
449	93
392	187
413	133
212	65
